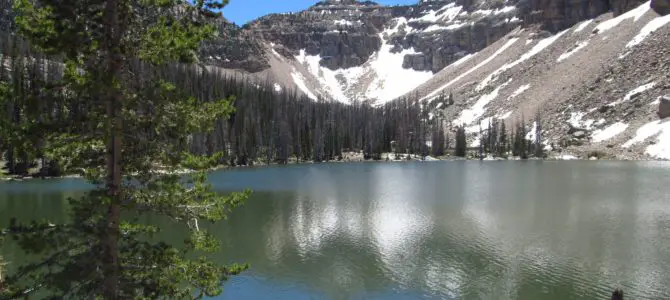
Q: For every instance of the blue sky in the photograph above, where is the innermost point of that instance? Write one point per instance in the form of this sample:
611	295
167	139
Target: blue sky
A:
243	11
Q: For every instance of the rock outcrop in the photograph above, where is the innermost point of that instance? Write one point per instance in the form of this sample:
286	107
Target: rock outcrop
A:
346	33
556	15
343	33
662	7
236	49
663	107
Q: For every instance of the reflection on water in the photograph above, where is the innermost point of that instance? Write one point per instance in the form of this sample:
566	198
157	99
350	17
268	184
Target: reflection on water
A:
456	230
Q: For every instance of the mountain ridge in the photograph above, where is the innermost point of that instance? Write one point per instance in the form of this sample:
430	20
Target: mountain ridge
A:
593	68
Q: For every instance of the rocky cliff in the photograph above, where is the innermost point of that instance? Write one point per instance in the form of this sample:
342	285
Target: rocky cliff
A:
598	72
346	34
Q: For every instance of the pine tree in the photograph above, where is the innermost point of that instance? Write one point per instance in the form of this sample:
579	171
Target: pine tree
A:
539	147
521	139
461	143
482	142
502	141
129	121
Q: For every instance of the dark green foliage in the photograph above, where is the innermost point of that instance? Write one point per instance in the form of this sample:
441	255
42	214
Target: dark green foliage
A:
438	142
460	149
502	143
98	98
537	145
520	144
309	130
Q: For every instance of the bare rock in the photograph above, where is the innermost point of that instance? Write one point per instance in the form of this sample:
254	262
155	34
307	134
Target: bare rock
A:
415	61
662	7
664	106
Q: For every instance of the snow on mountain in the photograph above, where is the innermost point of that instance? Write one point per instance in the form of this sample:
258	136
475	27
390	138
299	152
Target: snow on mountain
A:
590	98
648	29
592	76
380	79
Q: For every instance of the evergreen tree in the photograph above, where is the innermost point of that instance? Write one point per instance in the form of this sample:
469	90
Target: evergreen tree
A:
502	141
539	147
521	139
461	142
124	119
438	139
482	142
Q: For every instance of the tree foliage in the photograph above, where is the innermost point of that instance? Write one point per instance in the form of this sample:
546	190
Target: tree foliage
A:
113	114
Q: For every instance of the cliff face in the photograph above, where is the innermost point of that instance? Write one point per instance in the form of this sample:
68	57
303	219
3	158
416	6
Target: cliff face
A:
556	15
345	34
352	51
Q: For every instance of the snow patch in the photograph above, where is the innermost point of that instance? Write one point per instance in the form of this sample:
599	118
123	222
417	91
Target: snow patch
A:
469	115
583	25
300	83
565	55
531	134
400	22
462	60
636	14
275	53
541	45
577	122
482	126
277	87
648	29
327	78
432	28
434	93
487	12
661	149
449	12
344	22
505	115
519	91
634	92
609	132
392	80
646	131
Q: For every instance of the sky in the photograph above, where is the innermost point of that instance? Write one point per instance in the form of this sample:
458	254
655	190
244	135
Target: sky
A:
242	11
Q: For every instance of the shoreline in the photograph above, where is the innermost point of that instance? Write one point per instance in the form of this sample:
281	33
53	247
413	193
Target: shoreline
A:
354	158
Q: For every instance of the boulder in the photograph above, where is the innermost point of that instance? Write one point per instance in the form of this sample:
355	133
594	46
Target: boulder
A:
579	134
664	106
661	7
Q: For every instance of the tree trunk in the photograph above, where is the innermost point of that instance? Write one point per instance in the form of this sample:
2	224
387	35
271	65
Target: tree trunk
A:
110	242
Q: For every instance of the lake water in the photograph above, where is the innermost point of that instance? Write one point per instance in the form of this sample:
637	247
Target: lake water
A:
438	230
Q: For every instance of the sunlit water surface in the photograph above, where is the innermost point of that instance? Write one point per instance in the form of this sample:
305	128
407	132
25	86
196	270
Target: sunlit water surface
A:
443	230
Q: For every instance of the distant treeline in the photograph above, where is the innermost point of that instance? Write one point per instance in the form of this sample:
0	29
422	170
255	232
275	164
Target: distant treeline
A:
268	126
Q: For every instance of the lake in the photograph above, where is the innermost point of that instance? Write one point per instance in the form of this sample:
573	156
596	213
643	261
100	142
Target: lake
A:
429	230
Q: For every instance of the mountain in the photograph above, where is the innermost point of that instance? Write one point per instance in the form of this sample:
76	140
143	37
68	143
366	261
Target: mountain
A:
595	74
594	71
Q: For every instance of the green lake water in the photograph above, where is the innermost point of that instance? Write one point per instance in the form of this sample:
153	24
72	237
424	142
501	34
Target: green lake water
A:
427	230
